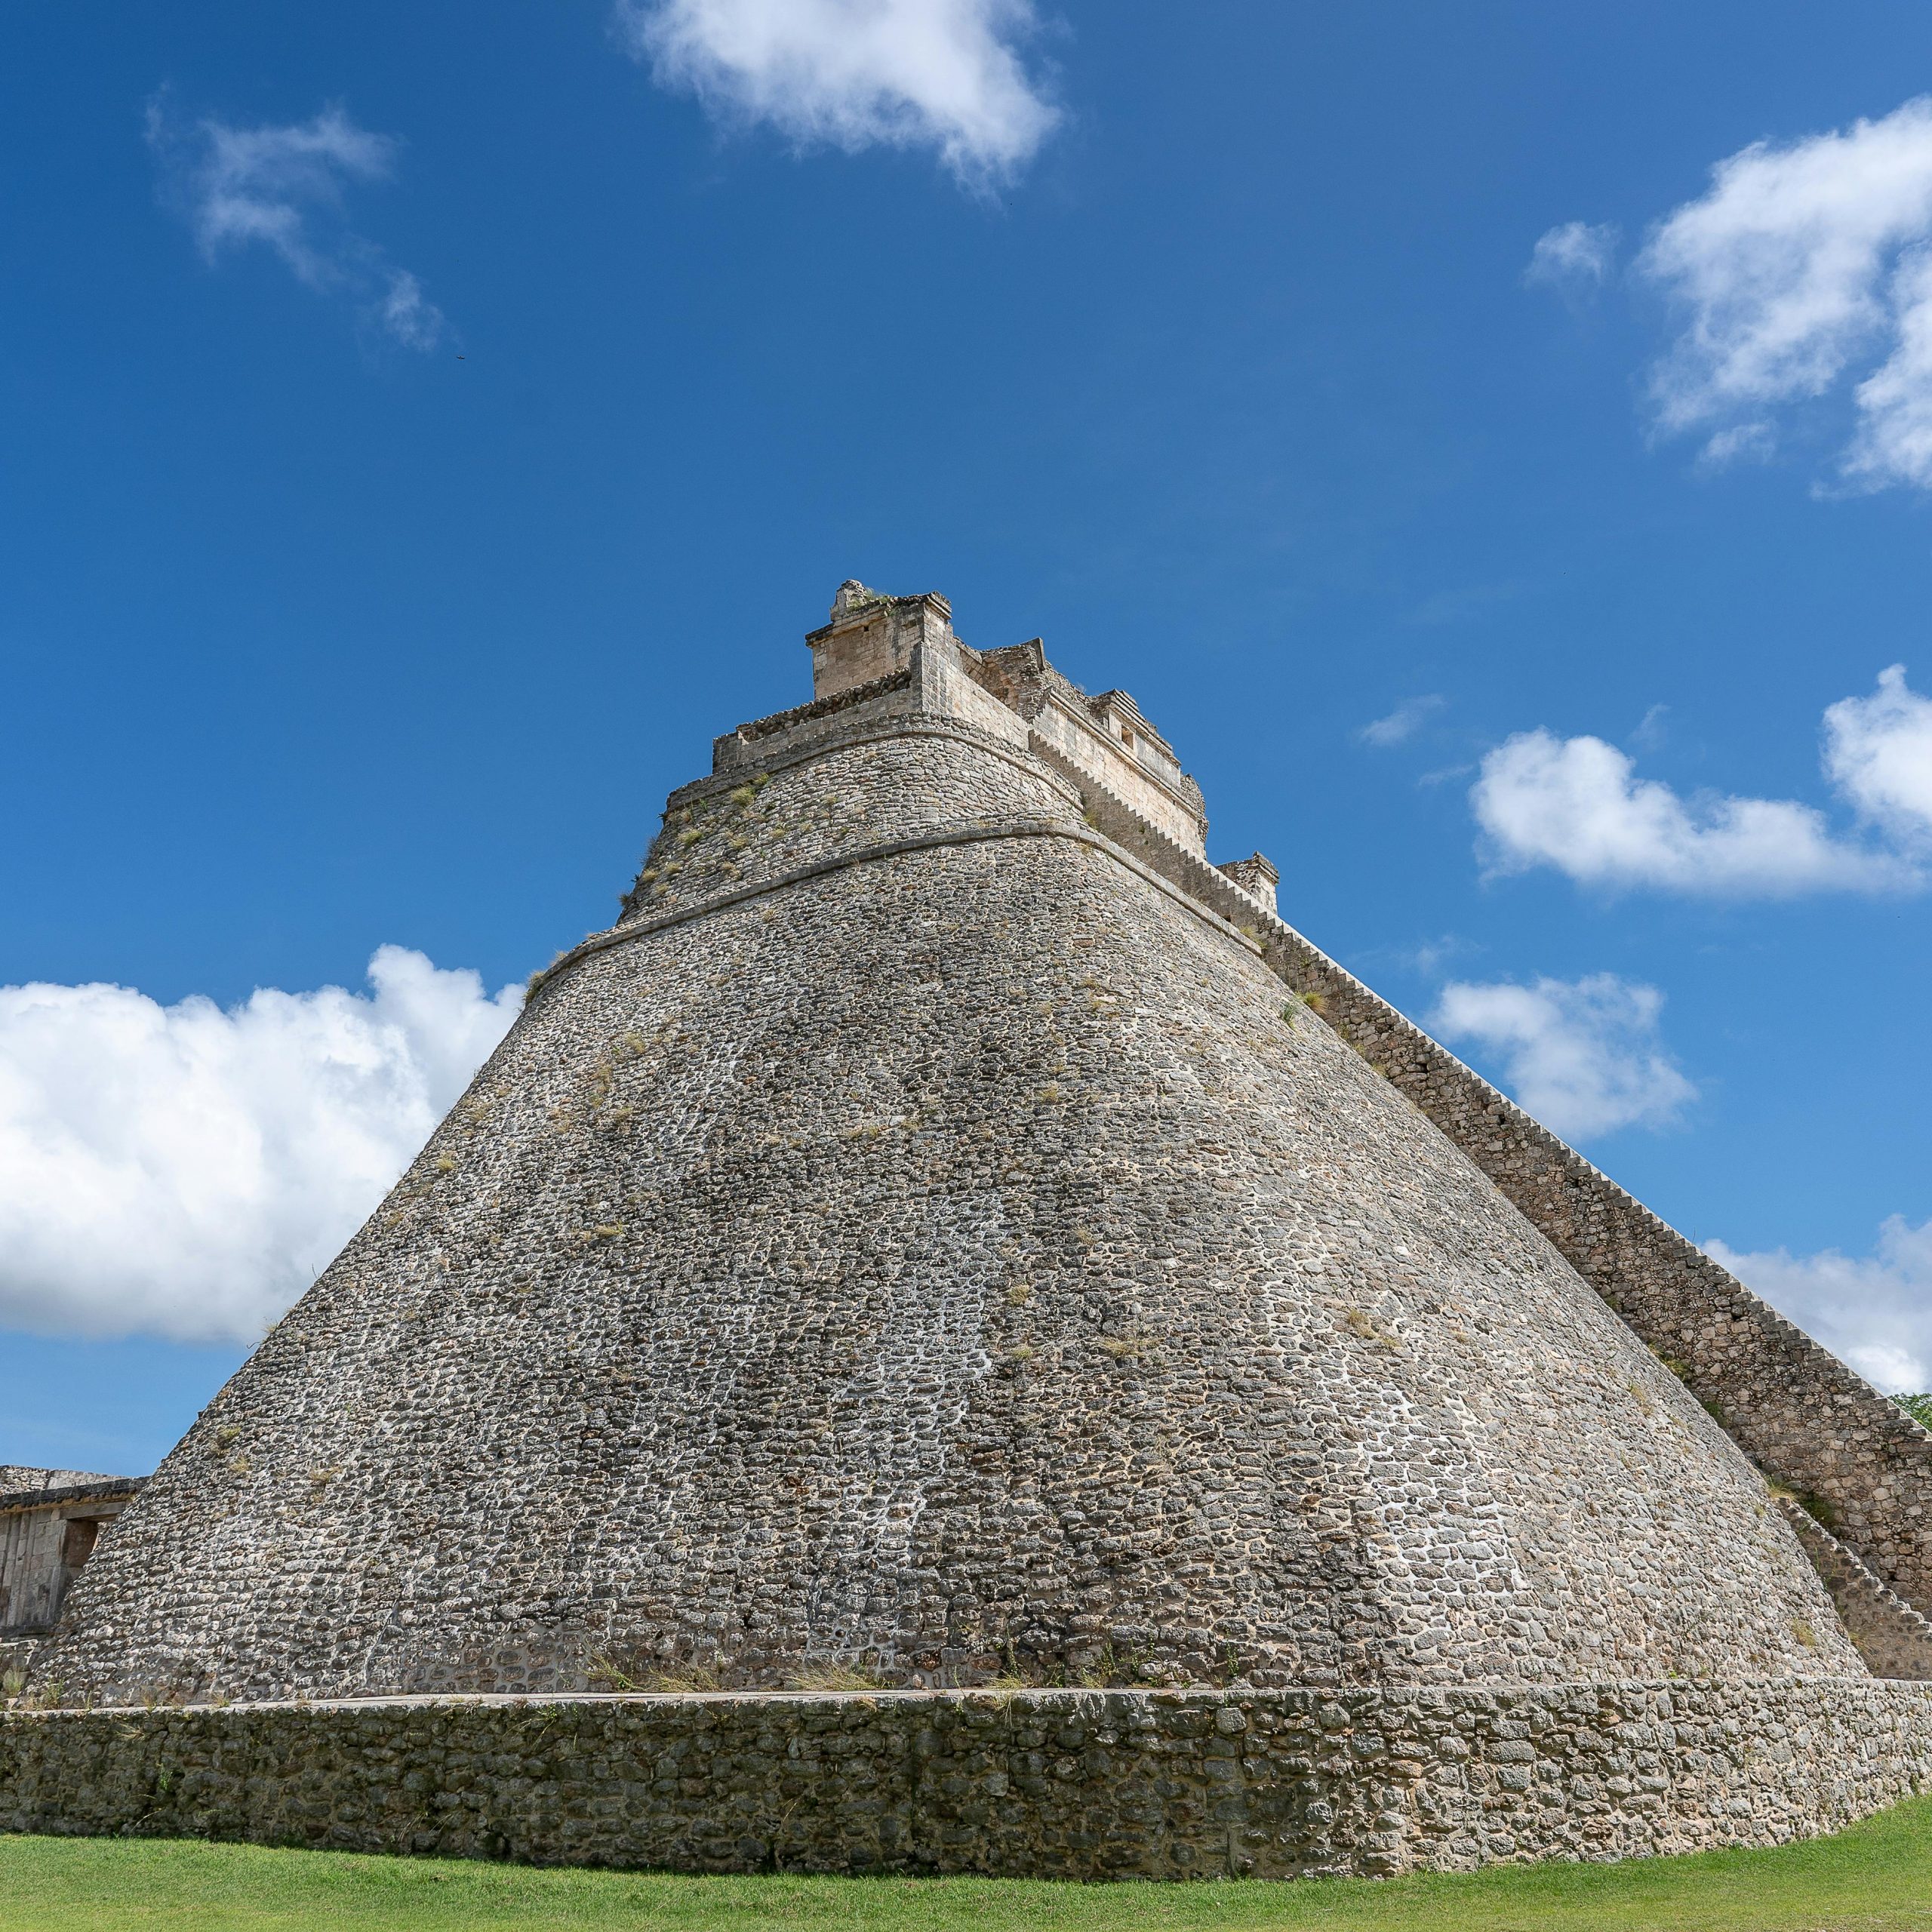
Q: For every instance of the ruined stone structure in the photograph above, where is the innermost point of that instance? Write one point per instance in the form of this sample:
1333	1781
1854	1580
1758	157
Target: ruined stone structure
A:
948	1232
49	1522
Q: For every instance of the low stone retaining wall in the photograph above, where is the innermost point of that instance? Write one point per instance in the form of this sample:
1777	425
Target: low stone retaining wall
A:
1077	1784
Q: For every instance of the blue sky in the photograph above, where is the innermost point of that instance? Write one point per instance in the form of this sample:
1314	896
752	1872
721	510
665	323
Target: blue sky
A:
424	428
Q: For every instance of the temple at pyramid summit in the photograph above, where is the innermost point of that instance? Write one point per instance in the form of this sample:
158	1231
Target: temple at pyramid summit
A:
951	1255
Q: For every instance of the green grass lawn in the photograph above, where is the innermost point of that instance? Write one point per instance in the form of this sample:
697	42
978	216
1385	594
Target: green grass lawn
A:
1877	1874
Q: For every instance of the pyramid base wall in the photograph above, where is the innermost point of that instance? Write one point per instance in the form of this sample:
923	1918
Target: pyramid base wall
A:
1074	1784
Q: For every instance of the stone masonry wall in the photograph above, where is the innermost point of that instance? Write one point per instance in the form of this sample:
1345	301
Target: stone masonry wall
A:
1069	1784
1893	1639
1794	1408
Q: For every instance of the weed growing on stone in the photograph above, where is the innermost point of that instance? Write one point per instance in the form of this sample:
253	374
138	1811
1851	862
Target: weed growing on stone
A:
684	1680
832	1675
1100	1671
1818	1508
608	1673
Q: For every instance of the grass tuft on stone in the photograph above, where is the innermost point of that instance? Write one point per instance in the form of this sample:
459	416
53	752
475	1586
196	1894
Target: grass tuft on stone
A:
830	1674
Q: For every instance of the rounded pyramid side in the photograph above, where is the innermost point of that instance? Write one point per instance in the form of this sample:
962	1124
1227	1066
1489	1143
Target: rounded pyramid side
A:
960	1261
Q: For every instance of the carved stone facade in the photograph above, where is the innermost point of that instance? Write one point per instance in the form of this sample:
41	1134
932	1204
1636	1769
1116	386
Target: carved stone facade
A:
50	1521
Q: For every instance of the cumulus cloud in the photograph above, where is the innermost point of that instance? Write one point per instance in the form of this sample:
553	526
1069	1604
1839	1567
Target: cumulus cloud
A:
282	187
945	75
1804	272
1583	1056
1874	1311
1573	256
1879	753
1577	805
1403	723
186	1170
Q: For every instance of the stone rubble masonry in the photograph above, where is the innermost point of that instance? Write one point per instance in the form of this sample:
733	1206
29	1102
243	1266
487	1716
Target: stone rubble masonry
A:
1894	1640
925	1235
1795	1409
1064	1784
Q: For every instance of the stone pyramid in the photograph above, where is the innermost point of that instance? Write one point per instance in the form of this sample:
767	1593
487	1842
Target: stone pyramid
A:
928	1236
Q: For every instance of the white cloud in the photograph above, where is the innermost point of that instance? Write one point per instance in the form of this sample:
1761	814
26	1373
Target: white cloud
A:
852	74
1574	255
282	188
1576	804
1878	753
187	1171
1402	723
1582	1055
1803	265
1875	1311
1743	442
415	322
